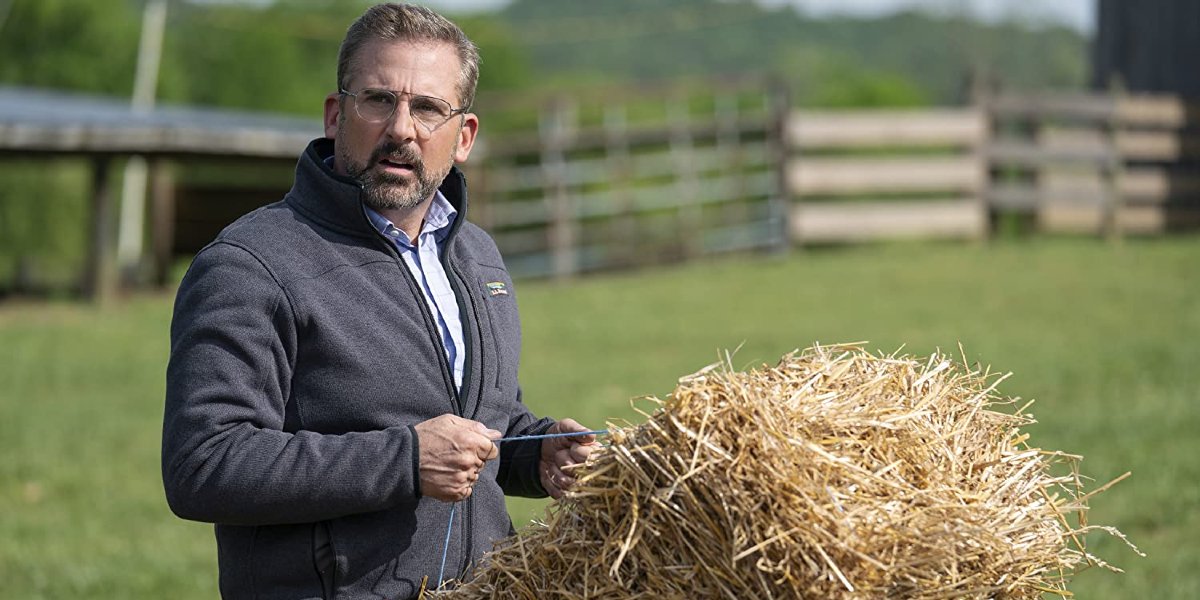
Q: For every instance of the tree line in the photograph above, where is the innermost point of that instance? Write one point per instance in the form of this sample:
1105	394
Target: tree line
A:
280	56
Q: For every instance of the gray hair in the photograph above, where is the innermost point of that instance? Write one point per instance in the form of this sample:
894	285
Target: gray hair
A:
406	22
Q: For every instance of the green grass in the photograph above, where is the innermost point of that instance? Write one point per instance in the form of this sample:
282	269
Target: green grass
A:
1104	337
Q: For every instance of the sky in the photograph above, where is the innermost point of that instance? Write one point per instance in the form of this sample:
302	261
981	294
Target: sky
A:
1078	14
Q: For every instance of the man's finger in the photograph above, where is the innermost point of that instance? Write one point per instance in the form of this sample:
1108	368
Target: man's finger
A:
560	478
490	434
579	454
549	484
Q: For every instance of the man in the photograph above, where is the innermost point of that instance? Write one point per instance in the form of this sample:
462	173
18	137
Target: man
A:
344	361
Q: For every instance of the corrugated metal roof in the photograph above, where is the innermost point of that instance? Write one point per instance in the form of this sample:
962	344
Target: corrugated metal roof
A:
49	121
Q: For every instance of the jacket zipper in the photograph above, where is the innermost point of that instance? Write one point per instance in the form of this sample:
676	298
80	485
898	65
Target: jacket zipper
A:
458	398
461	298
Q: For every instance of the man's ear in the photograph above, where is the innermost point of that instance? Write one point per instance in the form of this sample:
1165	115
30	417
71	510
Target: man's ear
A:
333	111
466	137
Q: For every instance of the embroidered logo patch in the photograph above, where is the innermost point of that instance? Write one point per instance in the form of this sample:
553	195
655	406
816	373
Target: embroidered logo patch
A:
497	288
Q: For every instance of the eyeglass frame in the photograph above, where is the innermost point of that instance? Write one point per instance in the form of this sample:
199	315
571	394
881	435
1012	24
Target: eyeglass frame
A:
453	111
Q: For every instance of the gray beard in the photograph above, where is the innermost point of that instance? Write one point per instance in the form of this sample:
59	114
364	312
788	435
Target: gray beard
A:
383	191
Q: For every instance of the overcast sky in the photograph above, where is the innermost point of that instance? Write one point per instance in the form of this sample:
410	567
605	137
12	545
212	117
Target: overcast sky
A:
1079	14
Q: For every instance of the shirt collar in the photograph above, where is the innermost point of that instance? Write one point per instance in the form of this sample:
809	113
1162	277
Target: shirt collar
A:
437	221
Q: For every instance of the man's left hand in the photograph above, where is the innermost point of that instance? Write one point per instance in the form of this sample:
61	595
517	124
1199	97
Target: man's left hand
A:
560	454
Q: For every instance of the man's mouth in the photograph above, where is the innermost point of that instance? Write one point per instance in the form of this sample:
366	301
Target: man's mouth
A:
397	165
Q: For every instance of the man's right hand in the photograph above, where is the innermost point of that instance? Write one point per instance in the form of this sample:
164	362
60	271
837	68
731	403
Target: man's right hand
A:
452	452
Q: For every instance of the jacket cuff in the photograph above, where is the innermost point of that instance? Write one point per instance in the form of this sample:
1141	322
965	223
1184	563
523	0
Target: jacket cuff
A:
518	474
416	462
531	455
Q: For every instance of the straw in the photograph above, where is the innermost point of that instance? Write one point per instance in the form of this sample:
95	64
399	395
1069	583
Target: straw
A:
834	474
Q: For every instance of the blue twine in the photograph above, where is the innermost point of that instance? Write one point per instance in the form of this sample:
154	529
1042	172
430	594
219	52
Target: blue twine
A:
546	436
450	526
446	546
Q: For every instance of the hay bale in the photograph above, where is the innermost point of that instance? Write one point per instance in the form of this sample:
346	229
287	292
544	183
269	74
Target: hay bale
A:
835	474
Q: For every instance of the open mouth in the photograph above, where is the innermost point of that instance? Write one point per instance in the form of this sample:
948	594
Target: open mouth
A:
394	165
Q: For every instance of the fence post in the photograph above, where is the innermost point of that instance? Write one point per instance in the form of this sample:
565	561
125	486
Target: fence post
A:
479	182
779	203
684	157
981	103
1114	169
562	232
1037	128
624	220
732	157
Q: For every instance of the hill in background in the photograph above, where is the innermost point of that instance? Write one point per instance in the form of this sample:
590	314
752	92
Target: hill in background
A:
908	58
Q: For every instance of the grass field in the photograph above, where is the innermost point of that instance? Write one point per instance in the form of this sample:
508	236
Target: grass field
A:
1105	337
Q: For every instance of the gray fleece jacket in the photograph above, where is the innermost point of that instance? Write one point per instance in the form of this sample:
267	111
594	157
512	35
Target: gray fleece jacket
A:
302	354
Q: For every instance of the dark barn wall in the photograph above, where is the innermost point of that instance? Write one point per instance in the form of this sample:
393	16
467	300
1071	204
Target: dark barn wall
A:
1152	45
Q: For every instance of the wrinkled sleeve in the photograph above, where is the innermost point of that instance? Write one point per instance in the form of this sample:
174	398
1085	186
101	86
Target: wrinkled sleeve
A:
232	452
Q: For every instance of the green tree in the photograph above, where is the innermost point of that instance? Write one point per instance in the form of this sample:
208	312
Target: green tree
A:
87	45
83	45
821	78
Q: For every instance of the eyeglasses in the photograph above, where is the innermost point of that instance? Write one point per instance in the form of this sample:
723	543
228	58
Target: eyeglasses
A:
377	106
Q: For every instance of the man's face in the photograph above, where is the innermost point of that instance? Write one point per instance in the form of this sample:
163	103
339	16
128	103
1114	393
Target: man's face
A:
399	161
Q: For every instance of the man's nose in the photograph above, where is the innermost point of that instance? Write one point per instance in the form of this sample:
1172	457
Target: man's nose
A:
402	127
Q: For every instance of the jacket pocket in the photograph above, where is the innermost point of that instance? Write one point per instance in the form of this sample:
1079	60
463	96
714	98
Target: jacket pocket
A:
282	562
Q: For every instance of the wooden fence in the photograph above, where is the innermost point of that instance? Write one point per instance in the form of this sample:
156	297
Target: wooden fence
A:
621	179
609	183
1110	164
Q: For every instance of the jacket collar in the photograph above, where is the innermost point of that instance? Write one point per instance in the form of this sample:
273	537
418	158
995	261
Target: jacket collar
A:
335	200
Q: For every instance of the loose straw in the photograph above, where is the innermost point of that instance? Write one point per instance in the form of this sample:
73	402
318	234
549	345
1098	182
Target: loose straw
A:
834	474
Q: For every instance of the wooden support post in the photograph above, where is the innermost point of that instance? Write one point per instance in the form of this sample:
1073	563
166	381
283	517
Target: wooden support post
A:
162	220
100	284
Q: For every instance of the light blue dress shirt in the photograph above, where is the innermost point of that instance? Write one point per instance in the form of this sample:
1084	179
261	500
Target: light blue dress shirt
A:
423	263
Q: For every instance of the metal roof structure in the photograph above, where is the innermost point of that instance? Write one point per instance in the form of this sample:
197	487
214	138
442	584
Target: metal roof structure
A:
37	121
52	123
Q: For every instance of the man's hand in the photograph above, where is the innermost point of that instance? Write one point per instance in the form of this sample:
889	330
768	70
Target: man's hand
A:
452	452
560	454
